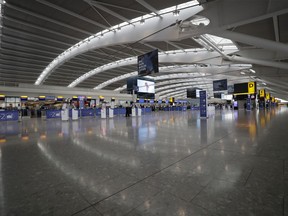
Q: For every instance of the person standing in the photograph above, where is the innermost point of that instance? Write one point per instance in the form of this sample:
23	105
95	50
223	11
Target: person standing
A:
127	111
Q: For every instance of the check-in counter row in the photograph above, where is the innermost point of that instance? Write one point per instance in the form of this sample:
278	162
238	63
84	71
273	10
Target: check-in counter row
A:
91	112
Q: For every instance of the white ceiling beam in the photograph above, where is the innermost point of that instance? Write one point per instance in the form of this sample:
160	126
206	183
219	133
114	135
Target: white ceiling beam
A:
276	28
172	91
175	45
197	71
259	62
255	41
179	57
127	34
200	81
189	84
212	45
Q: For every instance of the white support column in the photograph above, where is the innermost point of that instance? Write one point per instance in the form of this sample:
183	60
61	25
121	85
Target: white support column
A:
255	41
259	62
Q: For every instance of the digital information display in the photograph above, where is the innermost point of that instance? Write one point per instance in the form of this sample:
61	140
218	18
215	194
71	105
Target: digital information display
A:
245	88
193	93
241	88
148	63
145	86
220	85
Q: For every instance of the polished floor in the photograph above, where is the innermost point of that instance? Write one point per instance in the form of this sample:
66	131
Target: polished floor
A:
166	163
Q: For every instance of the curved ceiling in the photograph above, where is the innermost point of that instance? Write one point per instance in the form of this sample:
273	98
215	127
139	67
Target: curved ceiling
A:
93	44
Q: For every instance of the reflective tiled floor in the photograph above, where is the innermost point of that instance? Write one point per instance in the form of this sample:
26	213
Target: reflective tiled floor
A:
168	163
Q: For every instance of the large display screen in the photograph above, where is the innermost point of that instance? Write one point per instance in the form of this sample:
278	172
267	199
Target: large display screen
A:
145	86
148	63
220	85
193	93
241	88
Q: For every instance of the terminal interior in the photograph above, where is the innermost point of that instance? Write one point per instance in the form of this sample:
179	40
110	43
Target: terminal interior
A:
142	107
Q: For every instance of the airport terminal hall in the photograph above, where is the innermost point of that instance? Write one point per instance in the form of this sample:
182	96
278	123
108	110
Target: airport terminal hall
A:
143	108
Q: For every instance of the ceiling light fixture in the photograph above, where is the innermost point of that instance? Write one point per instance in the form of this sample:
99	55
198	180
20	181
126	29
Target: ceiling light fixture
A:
253	71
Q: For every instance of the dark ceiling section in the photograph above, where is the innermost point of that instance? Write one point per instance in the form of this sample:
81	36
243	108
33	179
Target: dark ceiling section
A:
143	48
165	4
163	46
283	30
123	8
262	29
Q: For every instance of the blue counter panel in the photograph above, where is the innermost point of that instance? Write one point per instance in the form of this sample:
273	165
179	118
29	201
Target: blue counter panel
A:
53	114
87	112
195	108
98	112
147	110
9	115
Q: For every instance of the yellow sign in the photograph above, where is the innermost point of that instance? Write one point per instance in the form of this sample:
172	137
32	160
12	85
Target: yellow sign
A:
262	93
267	96
251	87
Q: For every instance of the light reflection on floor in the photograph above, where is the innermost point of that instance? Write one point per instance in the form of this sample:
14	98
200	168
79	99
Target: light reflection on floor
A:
166	163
